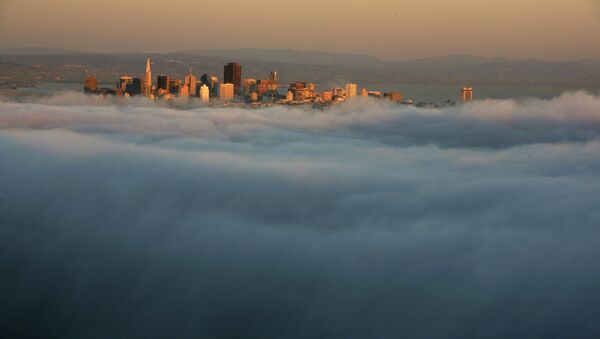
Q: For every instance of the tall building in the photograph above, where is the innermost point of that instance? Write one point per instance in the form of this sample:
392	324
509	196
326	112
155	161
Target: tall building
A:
351	90
134	88
273	76
364	92
226	92
233	75
248	86
466	94
91	84
162	84
213	86
147	85
190	84
174	86
204	94
124	81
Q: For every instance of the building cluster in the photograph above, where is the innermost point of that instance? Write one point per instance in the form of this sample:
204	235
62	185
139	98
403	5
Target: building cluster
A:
234	89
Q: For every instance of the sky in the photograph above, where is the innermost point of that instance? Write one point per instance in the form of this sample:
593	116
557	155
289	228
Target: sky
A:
390	29
150	220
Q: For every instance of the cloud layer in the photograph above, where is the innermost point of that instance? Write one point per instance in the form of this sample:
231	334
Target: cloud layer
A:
365	220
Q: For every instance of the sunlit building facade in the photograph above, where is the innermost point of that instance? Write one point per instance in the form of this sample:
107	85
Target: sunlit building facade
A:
227	92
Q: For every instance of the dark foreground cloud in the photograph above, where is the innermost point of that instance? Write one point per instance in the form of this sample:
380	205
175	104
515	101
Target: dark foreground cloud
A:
367	220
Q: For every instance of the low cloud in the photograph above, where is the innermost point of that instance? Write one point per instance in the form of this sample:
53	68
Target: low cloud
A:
363	220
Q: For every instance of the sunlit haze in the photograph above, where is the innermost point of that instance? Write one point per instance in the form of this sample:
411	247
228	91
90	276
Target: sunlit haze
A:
390	29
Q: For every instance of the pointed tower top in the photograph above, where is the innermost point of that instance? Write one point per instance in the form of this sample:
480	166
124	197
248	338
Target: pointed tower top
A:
148	65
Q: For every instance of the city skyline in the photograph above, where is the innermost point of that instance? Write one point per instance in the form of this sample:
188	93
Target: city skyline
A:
243	90
393	30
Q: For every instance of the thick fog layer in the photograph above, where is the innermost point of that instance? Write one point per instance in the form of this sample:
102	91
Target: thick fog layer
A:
366	220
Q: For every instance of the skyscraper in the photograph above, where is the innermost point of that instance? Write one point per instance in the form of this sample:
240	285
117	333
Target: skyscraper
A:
248	86
134	88
147	85
174	86
190	84
233	75
226	92
204	94
162	84
466	94
124	81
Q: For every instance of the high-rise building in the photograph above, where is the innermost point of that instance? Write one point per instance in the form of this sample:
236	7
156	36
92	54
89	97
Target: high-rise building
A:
248	86
147	85
204	94
214	86
268	87
162	85
364	92
134	88
351	90
124	81
226	92
174	86
233	75
190	84
91	84
466	94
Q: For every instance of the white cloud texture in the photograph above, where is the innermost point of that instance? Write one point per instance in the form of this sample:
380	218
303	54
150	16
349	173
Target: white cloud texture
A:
140	219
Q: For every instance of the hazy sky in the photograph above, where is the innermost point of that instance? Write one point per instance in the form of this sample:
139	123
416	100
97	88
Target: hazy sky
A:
393	29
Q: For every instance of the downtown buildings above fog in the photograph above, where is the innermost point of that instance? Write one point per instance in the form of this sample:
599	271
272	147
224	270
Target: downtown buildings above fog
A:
237	90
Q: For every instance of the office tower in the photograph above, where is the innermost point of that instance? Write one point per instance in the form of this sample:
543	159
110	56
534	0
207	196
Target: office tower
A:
233	75
174	87
248	86
134	88
190	84
147	85
466	94
124	81
91	84
226	92
351	90
184	91
205	78
162	84
273	76
364	92
204	93
198	86
214	86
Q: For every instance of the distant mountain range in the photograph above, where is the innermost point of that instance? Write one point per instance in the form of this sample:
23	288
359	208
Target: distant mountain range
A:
321	67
